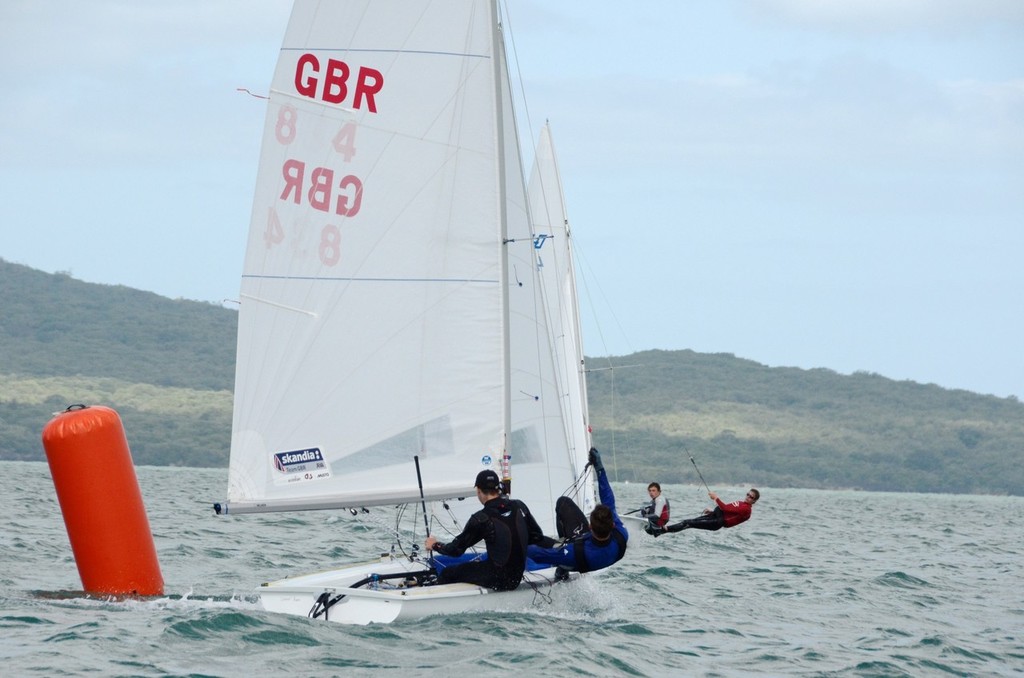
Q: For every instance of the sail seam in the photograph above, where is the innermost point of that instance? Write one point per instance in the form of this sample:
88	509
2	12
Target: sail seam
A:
483	281
374	50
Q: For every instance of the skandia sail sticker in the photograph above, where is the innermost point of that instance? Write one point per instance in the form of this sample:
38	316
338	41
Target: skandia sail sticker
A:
300	466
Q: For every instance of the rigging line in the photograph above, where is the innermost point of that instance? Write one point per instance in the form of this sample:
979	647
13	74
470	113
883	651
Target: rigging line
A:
400	512
575	485
580	257
376	524
590	297
415	554
615	459
538	593
452	530
514	65
699	473
505	19
399	536
612	367
544	338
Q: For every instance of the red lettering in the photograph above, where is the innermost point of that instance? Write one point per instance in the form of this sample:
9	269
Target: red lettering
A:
335	89
330	245
292	171
320	188
321	184
335	76
349	181
306	85
273	234
365	88
344	141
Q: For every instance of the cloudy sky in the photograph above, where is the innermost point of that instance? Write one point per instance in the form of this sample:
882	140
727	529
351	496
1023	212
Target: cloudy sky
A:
810	183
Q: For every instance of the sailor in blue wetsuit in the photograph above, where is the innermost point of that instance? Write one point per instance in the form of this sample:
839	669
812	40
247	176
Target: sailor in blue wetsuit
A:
602	545
505	525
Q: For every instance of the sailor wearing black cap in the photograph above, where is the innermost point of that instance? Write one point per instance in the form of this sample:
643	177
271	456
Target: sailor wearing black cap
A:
505	525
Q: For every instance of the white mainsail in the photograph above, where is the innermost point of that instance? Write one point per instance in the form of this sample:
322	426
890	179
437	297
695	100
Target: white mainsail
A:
392	303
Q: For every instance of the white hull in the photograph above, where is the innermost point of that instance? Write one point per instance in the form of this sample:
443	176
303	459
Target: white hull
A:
391	600
634	523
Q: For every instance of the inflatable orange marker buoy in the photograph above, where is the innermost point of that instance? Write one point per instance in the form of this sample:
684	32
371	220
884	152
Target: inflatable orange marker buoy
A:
99	496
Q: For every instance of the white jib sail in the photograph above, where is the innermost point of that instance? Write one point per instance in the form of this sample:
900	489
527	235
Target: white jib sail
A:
553	245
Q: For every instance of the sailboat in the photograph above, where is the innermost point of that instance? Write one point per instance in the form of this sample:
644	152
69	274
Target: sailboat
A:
406	318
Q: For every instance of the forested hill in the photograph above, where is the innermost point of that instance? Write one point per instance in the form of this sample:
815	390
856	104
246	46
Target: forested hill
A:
167	367
788	427
54	326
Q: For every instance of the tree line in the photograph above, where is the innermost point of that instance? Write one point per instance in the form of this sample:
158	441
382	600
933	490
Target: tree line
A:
167	367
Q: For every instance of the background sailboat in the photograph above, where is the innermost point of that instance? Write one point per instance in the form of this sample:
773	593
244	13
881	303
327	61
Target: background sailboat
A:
394	301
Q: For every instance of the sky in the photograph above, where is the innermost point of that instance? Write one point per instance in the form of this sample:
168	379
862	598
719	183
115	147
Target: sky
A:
807	183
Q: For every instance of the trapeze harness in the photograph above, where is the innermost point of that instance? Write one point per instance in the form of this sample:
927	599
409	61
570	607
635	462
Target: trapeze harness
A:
652	517
580	552
510	532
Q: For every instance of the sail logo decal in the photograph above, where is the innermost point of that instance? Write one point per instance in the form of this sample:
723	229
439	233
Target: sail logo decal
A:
300	466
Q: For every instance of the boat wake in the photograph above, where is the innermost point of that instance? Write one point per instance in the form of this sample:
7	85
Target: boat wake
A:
187	600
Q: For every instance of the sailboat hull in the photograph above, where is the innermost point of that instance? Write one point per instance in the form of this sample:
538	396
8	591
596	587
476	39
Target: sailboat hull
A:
634	523
390	602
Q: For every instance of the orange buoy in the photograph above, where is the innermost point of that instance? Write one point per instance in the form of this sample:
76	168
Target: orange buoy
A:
101	502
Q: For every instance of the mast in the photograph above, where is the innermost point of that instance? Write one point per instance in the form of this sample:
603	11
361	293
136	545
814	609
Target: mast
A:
499	65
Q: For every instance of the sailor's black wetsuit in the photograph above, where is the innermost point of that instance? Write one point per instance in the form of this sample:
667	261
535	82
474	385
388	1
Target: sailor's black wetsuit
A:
506	526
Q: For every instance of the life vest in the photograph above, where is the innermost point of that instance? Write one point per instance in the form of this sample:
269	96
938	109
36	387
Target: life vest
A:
654	517
580	550
511	534
665	513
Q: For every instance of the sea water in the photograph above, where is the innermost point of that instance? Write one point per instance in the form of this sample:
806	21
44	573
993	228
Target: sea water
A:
816	583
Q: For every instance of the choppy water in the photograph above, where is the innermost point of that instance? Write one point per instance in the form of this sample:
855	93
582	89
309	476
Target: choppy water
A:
817	583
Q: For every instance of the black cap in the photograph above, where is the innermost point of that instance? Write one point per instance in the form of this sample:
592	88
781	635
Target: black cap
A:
487	480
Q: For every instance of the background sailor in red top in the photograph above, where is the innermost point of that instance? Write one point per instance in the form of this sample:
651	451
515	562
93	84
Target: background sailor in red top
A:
724	515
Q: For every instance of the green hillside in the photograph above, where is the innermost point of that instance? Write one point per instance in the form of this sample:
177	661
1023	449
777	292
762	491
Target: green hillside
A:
167	367
787	427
